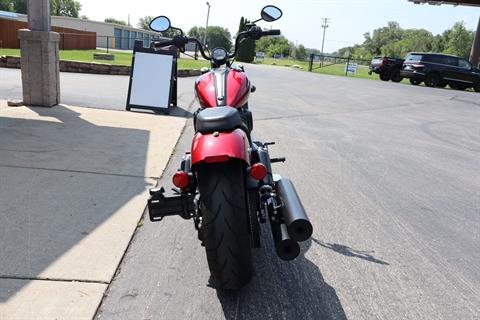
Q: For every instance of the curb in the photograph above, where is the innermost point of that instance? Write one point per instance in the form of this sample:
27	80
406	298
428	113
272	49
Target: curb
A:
90	67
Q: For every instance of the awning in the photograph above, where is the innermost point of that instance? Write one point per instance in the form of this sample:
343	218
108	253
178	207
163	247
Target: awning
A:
452	2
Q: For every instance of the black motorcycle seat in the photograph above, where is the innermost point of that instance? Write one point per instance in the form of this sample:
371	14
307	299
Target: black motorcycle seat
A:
218	119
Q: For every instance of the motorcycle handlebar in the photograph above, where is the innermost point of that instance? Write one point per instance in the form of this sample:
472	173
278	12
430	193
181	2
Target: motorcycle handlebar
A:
161	44
180	41
271	33
254	33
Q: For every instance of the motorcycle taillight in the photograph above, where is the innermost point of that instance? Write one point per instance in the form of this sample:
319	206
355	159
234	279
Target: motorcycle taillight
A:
181	180
258	171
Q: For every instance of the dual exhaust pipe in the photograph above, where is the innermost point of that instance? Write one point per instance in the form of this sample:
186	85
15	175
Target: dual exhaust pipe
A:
296	226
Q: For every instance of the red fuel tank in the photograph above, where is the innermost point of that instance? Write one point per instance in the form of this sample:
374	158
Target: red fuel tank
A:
223	87
238	88
205	90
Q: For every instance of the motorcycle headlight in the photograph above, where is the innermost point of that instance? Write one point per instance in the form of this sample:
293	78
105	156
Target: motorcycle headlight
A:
219	56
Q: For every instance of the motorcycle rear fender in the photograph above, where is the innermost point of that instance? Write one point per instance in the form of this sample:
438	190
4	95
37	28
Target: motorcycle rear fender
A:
220	147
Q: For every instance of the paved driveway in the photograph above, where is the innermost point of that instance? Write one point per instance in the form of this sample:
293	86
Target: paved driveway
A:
86	90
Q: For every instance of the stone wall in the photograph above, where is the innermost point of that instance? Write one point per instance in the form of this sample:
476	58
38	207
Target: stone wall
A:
88	67
9	62
93	67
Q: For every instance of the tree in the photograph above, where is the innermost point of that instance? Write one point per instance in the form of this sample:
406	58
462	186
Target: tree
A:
18	6
246	52
67	8
313	51
217	37
274	45
438	44
115	21
392	40
459	40
300	53
197	32
144	22
413	40
7	5
381	37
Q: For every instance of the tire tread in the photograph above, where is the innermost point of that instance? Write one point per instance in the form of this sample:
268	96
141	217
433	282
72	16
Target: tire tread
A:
226	229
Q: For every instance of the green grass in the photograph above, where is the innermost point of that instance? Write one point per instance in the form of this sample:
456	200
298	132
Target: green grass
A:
121	58
9	52
184	63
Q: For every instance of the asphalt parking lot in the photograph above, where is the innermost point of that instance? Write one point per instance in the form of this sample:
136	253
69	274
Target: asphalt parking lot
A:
390	176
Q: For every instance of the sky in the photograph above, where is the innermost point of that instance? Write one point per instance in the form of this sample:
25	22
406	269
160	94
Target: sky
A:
301	22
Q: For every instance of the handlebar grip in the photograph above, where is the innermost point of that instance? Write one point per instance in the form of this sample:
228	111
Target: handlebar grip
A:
160	44
271	33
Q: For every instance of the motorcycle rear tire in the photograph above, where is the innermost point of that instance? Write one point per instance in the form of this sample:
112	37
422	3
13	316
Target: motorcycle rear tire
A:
226	224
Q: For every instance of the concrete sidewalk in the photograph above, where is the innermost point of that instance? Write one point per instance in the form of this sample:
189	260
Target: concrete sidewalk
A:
73	187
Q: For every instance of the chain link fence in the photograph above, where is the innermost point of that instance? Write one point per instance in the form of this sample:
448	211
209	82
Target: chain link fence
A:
351	64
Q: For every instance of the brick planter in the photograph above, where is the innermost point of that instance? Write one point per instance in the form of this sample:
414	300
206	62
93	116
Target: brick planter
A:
89	67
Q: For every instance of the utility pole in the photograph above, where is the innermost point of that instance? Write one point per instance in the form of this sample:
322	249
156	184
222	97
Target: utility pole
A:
325	25
206	26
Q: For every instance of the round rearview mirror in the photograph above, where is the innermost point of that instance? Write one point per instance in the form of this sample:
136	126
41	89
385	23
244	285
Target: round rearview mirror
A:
160	24
271	13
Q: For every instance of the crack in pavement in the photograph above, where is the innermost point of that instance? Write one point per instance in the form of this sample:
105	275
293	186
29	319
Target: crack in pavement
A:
52	279
80	171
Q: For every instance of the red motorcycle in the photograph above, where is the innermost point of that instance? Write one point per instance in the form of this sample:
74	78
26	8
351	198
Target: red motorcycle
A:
225	184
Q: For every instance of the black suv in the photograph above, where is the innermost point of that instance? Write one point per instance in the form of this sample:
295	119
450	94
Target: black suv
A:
438	70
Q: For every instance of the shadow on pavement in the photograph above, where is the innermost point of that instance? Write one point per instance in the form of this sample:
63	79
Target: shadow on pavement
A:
176	111
181	112
283	290
58	184
349	252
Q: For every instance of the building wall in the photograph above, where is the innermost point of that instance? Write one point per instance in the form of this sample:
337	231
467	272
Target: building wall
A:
70	39
108	34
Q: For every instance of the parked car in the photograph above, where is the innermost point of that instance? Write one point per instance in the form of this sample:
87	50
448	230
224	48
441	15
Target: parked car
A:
440	70
387	67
